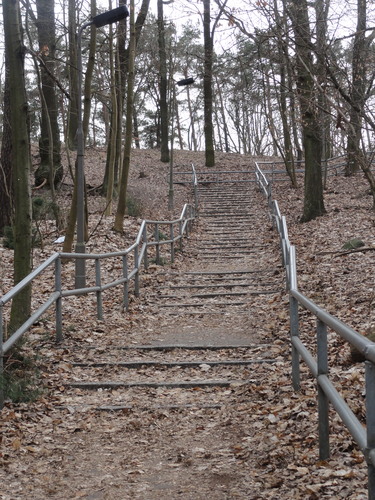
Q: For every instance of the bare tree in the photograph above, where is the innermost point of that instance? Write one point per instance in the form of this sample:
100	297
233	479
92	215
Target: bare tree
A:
164	146
73	77
49	144
207	85
6	184
121	205
21	160
358	90
312	142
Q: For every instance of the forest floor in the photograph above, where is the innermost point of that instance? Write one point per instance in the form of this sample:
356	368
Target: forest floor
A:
262	442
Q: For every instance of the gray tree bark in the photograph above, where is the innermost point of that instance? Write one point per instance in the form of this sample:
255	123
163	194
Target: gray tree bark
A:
21	160
164	146
6	185
49	144
207	85
312	143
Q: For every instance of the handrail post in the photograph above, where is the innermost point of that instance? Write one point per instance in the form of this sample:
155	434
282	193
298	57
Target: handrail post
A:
285	238
126	282
273	215
294	332
196	198
281	229
181	235
98	283
269	195
323	403
145	258
172	242
58	312
195	189
136	277
294	320
157	239
370	425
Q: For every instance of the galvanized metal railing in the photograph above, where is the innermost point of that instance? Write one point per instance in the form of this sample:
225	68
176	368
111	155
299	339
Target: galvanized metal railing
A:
275	169
216	176
263	184
195	187
327	393
132	259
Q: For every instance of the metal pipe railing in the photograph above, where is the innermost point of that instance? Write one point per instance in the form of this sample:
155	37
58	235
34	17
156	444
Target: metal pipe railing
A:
332	167
327	393
139	250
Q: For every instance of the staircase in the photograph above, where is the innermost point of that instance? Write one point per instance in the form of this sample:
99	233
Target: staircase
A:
214	332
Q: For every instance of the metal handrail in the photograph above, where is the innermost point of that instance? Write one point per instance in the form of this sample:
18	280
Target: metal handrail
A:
330	166
139	250
195	187
364	437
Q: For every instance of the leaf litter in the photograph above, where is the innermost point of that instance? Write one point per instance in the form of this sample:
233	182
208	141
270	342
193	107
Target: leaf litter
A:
260	441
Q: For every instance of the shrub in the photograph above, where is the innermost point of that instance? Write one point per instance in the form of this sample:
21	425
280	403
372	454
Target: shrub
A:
133	206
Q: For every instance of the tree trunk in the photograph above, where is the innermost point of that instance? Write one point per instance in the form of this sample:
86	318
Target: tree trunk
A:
164	147
194	145
121	206
49	144
6	185
223	116
313	186
87	88
114	127
70	228
357	94
178	124
121	77
73	78
21	160
321	10
136	130
293	110
283	60
207	85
